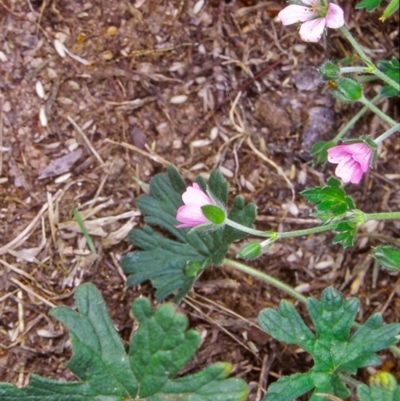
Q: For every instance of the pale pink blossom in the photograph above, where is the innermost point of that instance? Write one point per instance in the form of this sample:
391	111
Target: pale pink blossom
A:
190	214
352	160
315	15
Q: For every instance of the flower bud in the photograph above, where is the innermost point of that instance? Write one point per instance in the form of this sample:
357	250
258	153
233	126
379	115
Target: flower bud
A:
329	71
387	256
250	251
356	217
384	380
346	89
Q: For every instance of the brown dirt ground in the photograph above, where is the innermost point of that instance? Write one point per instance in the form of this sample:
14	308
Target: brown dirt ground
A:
159	89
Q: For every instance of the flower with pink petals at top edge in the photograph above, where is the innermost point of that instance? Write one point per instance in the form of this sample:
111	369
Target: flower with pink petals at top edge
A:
353	160
190	214
315	15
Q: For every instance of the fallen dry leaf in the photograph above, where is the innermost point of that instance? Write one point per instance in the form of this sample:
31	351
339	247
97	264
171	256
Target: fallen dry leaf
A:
61	165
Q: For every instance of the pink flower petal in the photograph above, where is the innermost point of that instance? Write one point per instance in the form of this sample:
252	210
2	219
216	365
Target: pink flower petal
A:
334	17
349	171
311	31
194	195
353	159
190	216
361	153
294	13
336	153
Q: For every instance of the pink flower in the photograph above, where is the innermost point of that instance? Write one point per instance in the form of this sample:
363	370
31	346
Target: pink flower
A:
315	15
353	160
190	214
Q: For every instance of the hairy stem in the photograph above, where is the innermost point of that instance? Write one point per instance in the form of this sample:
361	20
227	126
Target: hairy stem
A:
386	134
378	112
382	216
267	278
372	68
353	120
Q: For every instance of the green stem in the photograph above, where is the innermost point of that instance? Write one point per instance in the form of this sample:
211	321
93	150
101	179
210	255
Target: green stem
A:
382	216
372	68
350	380
386	79
288	234
374	71
387	134
307	231
247	230
356	46
348	70
267	278
355	118
378	112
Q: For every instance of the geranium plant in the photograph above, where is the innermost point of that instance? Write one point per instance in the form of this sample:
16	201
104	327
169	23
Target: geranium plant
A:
190	227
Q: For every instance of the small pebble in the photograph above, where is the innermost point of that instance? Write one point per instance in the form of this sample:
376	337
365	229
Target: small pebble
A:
198	6
62	178
40	90
43	117
178	99
6	106
60	48
214	133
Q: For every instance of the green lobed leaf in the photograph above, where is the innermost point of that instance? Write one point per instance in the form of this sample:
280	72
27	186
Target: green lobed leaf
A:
334	348
392	70
173	265
347	234
158	350
286	325
287	388
331	200
326	383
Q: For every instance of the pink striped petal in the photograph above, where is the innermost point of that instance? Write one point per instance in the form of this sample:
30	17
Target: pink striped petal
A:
311	31
334	17
294	13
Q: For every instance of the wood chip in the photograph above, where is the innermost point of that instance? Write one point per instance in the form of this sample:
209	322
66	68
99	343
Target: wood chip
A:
61	165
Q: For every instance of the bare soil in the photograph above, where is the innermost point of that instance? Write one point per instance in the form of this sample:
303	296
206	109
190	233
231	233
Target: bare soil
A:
219	85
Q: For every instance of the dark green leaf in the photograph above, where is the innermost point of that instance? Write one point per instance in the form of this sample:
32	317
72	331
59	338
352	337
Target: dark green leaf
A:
392	70
287	388
159	349
334	348
331	200
167	262
347	234
286	325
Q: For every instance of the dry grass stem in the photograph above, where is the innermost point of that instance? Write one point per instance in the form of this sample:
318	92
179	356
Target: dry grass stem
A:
86	141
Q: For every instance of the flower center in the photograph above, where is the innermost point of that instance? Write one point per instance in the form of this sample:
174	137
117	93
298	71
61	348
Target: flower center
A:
320	8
